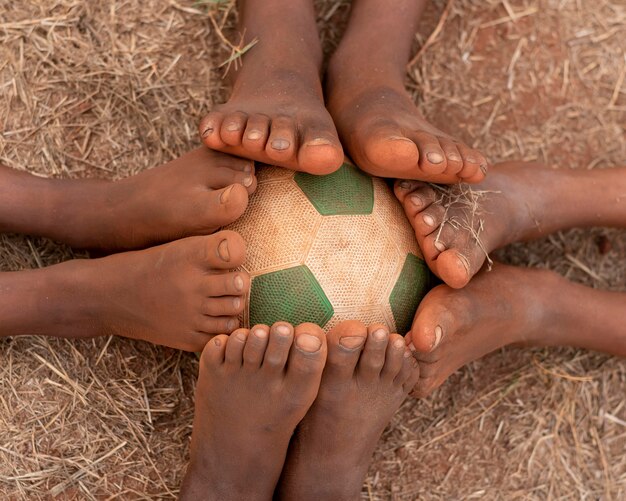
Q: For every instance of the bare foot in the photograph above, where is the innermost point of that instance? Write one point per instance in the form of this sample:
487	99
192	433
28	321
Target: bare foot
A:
367	376
195	194
457	228
511	306
377	120
276	112
253	389
178	294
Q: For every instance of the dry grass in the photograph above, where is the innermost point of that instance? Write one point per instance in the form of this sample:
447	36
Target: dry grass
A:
111	88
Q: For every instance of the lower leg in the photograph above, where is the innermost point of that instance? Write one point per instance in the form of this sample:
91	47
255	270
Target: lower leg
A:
376	118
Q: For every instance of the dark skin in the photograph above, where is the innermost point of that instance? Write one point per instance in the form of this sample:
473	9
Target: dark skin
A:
178	294
276	112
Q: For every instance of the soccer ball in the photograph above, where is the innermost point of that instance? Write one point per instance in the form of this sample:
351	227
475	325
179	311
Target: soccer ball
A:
324	249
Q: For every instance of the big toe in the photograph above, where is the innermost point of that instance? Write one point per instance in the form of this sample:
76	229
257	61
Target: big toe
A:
224	206
434	321
320	151
389	151
306	358
345	342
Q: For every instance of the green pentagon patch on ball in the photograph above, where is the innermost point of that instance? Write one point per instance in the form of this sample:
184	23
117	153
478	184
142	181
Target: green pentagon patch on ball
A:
324	249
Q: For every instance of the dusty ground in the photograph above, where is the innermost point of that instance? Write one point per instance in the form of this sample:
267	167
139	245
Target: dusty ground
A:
111	88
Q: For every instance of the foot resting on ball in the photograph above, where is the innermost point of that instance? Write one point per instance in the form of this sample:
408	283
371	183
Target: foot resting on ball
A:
254	387
368	374
458	227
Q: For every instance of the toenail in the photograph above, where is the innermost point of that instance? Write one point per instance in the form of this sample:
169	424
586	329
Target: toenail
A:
236	303
240	336
282	330
438	335
247	168
414	363
416	200
407	354
247	181
483	168
217	341
454	157
406	185
411	346
471	159
439	246
222	250
207	131
238	283
435	158
260	333
351	342
379	334
429	220
233	127
398	343
400	138
225	195
280	144
318	141
231	325
254	135
308	343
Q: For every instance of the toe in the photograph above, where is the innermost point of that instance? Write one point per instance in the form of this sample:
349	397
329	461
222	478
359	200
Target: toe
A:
457	267
224	206
277	352
281	145
213	353
320	152
217	325
221	251
388	150
254	352
373	357
345	343
235	283
307	356
429	219
432	158
417	199
409	368
453	157
233	127
472	162
223	306
394	357
256	134
433	323
210	127
234	348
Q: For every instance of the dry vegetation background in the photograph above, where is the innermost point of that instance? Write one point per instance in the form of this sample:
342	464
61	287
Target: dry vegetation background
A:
110	88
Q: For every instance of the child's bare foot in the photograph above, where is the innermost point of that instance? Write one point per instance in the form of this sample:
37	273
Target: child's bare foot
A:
368	374
178	294
377	121
276	113
518	201
195	194
520	306
253	389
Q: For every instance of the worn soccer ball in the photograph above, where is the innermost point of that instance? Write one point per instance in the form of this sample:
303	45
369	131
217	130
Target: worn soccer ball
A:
324	249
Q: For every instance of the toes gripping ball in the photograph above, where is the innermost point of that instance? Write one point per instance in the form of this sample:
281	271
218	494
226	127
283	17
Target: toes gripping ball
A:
324	249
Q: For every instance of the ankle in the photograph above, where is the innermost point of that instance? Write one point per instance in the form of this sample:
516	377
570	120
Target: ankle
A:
52	301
